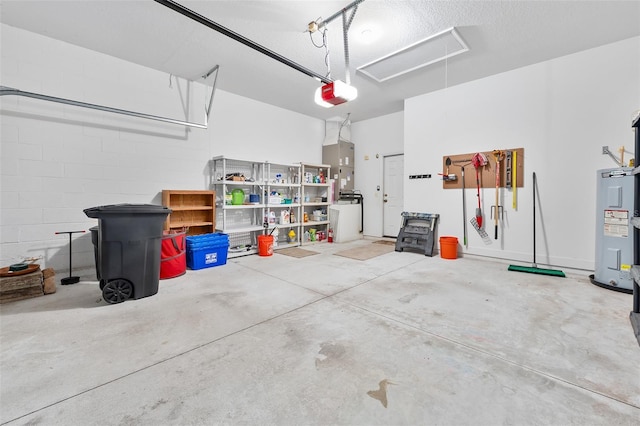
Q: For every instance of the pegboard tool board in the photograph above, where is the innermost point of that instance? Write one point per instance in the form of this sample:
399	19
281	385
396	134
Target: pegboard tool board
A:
487	173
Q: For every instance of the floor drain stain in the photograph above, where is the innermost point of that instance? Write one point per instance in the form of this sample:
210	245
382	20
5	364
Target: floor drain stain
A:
381	393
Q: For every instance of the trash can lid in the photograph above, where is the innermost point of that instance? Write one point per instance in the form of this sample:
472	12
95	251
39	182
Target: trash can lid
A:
98	211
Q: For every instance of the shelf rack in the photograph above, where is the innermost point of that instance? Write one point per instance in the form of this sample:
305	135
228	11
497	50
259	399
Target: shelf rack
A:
282	215
635	221
277	188
242	222
316	195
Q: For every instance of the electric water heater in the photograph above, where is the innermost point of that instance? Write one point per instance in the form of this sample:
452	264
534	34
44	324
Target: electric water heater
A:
614	232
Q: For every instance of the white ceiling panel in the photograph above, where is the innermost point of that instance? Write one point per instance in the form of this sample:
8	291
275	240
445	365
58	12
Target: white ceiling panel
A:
501	35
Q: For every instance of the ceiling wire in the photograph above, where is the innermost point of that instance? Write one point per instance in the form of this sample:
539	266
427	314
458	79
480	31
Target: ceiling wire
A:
346	122
322	25
325	45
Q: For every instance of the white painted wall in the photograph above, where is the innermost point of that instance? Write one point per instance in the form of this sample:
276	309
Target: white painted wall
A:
373	139
57	160
247	129
562	112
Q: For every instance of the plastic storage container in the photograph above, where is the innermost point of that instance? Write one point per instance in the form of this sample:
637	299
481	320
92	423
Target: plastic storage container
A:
128	255
449	247
207	250
265	244
173	259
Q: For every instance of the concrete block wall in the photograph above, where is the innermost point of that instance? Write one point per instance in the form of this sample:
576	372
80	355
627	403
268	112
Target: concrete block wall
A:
57	160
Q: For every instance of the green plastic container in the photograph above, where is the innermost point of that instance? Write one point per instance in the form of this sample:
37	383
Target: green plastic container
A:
237	197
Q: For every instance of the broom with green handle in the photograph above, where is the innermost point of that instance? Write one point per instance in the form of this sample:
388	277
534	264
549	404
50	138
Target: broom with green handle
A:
533	269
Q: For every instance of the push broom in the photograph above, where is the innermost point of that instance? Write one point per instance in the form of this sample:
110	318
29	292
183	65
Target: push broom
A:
533	269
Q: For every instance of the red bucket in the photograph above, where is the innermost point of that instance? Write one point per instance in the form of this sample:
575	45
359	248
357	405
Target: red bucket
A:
173	255
449	247
265	245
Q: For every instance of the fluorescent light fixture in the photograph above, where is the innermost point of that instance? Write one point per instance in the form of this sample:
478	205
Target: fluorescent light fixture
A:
435	48
335	93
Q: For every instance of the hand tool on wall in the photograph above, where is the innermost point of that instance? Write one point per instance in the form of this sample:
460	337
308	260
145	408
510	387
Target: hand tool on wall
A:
508	155
514	181
464	209
446	176
496	210
478	160
483	234
464	204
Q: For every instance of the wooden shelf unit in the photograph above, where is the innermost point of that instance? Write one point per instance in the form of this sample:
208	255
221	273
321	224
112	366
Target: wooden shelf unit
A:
191	209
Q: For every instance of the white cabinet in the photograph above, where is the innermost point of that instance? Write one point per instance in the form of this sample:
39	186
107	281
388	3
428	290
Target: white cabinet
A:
240	204
316	198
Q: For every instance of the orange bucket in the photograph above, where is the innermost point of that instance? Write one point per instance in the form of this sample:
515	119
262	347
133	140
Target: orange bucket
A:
449	247
265	245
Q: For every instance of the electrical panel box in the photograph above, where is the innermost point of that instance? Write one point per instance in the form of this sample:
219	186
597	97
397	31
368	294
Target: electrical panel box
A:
614	231
341	156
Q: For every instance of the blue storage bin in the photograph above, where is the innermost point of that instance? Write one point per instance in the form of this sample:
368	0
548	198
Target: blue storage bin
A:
207	239
207	250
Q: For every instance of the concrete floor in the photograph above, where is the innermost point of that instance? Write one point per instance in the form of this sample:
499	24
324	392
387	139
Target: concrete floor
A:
398	339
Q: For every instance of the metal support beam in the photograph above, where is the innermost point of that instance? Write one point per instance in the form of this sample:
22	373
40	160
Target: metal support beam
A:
213	89
346	24
11	91
339	13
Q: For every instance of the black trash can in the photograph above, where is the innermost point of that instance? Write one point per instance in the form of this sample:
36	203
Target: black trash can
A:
96	246
129	249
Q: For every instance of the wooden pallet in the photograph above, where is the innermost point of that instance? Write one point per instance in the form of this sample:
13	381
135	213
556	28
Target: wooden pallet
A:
20	287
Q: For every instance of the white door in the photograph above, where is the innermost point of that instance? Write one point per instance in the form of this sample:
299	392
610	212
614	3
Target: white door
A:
393	201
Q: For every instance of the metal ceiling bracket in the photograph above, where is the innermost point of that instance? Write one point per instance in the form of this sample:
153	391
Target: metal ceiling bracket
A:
213	89
4	91
346	24
339	13
241	39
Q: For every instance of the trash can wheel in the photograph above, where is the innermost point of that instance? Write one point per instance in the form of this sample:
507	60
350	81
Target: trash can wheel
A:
117	291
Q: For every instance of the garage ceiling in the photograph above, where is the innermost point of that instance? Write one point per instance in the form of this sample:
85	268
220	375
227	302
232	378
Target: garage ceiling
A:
501	35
